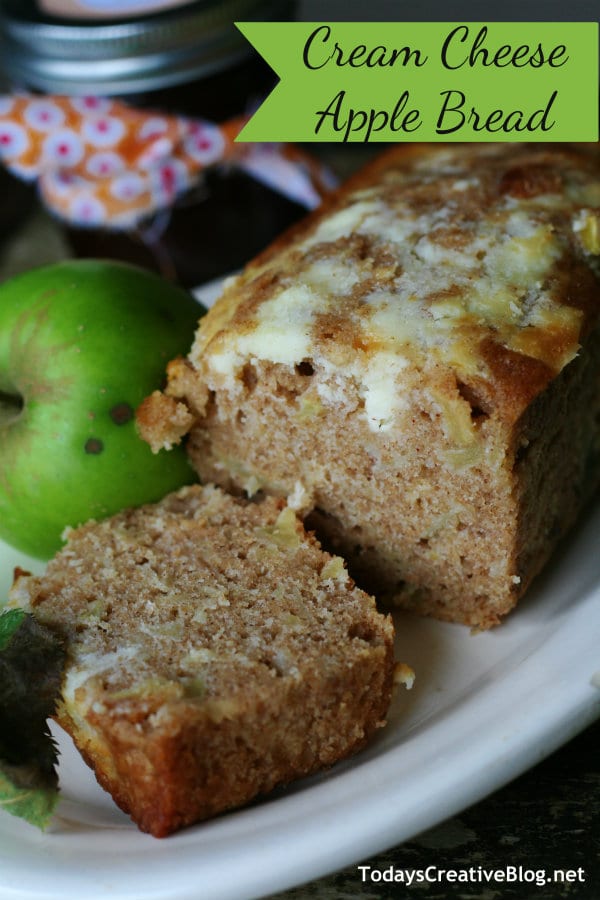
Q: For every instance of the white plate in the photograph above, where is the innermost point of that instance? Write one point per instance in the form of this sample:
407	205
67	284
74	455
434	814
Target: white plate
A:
484	708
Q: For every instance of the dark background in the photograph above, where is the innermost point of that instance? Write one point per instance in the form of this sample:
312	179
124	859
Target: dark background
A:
440	11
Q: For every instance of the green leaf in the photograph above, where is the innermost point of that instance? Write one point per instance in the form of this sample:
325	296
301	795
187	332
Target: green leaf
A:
9	622
32	660
33	803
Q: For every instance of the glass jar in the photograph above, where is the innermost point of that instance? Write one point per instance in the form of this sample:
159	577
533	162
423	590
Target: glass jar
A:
186	58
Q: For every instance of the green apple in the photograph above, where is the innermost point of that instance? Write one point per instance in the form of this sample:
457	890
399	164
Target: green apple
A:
81	344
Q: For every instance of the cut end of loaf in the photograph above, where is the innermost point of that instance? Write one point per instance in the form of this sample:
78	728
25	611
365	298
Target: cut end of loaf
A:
422	357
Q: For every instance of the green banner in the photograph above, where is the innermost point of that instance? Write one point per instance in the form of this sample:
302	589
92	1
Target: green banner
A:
427	81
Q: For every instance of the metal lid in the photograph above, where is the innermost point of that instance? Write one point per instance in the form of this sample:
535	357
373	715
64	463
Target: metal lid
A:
132	56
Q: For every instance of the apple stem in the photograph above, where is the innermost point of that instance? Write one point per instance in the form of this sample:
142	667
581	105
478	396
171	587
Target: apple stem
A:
11	406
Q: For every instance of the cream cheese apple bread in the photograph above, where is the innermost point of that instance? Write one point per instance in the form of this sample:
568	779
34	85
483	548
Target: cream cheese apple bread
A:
215	651
417	365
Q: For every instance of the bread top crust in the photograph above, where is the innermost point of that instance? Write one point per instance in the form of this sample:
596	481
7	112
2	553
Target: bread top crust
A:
475	260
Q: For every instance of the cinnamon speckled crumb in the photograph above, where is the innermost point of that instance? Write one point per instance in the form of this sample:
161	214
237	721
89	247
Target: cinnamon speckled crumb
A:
215	652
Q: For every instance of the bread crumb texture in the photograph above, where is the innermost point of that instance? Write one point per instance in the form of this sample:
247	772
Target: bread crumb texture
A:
215	651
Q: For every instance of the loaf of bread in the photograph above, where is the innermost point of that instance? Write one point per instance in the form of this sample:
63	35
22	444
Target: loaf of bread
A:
215	651
418	365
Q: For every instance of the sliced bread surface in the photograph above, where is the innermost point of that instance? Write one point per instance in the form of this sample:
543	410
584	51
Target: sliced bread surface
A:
215	651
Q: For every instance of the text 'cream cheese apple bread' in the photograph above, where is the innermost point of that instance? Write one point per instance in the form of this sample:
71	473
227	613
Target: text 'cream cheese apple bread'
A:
214	652
418	363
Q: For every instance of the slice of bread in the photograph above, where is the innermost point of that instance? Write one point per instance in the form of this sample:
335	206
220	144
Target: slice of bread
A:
215	651
422	357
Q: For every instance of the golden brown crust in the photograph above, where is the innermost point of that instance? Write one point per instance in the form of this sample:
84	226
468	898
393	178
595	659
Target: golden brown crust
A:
539	190
517	378
206	767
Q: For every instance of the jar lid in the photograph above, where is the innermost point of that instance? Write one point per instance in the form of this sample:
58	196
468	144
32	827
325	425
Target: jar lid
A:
135	55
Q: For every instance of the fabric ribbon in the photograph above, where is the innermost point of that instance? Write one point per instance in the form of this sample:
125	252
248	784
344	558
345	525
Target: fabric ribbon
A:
102	163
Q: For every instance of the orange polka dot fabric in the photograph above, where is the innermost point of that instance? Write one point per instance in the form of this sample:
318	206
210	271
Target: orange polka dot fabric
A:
102	163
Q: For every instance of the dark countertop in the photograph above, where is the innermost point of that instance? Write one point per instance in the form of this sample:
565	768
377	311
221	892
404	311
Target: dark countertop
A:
548	818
